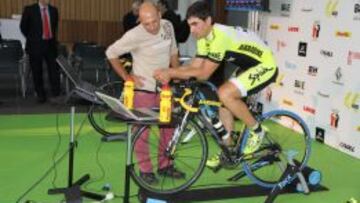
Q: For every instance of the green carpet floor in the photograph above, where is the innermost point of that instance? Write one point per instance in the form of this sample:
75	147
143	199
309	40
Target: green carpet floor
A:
30	143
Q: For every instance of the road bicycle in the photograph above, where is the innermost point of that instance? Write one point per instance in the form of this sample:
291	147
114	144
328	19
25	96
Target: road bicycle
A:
287	141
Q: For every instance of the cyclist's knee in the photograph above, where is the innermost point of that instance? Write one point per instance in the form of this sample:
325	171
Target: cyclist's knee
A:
228	91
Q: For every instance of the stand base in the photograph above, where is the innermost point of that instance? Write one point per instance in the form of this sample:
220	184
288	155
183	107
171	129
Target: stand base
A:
74	194
218	193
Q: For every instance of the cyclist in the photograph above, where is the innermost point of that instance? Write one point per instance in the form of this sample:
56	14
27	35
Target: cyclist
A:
217	43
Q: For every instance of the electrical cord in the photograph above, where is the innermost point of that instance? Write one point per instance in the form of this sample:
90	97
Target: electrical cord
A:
56	151
98	163
52	167
61	158
48	171
58	146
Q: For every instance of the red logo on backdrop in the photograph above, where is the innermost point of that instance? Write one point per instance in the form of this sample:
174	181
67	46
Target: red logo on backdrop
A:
309	109
315	30
334	119
351	56
293	29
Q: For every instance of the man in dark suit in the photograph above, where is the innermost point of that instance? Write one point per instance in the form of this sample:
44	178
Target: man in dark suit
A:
39	25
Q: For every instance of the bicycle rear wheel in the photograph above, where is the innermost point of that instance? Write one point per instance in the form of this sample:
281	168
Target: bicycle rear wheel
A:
98	113
188	157
288	138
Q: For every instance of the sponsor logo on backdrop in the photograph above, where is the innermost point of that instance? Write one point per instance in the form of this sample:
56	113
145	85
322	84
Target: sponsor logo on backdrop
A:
326	53
334	119
331	8
353	55
345	34
313	70
287	102
274	27
338	77
268	94
315	30
352	100
348	147
300	86
358	128
357	10
290	65
307	10
280	44
309	109
285	9
293	29
302	49
324	95
320	134
279	80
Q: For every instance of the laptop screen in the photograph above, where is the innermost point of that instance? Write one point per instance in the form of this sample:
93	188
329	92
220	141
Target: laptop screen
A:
69	70
136	114
115	105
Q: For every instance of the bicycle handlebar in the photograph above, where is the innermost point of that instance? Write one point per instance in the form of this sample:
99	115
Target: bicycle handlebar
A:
188	86
182	102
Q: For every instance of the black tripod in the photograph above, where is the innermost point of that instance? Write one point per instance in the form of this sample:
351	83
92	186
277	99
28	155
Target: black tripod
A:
73	193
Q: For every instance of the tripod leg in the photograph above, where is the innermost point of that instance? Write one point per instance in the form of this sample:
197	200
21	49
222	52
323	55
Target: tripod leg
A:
82	180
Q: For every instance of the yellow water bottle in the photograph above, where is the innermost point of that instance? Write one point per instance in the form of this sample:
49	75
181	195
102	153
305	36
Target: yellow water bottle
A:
129	93
165	104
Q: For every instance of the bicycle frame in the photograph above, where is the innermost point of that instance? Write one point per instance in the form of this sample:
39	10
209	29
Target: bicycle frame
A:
193	112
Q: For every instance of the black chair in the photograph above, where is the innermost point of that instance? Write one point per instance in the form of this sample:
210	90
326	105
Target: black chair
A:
12	62
62	50
14	43
89	58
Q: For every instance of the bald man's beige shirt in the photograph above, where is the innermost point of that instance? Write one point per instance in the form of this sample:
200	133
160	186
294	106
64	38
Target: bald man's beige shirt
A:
149	51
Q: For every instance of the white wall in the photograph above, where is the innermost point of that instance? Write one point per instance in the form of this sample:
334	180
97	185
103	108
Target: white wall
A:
10	29
324	85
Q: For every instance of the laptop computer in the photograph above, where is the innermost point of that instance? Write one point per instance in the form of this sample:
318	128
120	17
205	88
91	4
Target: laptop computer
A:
139	114
82	88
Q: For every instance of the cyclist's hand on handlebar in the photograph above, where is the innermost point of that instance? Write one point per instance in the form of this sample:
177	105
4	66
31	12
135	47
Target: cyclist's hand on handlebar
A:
162	75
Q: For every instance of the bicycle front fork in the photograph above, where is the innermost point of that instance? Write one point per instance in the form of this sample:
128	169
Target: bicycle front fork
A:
171	148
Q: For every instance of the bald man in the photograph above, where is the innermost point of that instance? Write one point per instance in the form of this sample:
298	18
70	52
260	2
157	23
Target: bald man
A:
152	44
